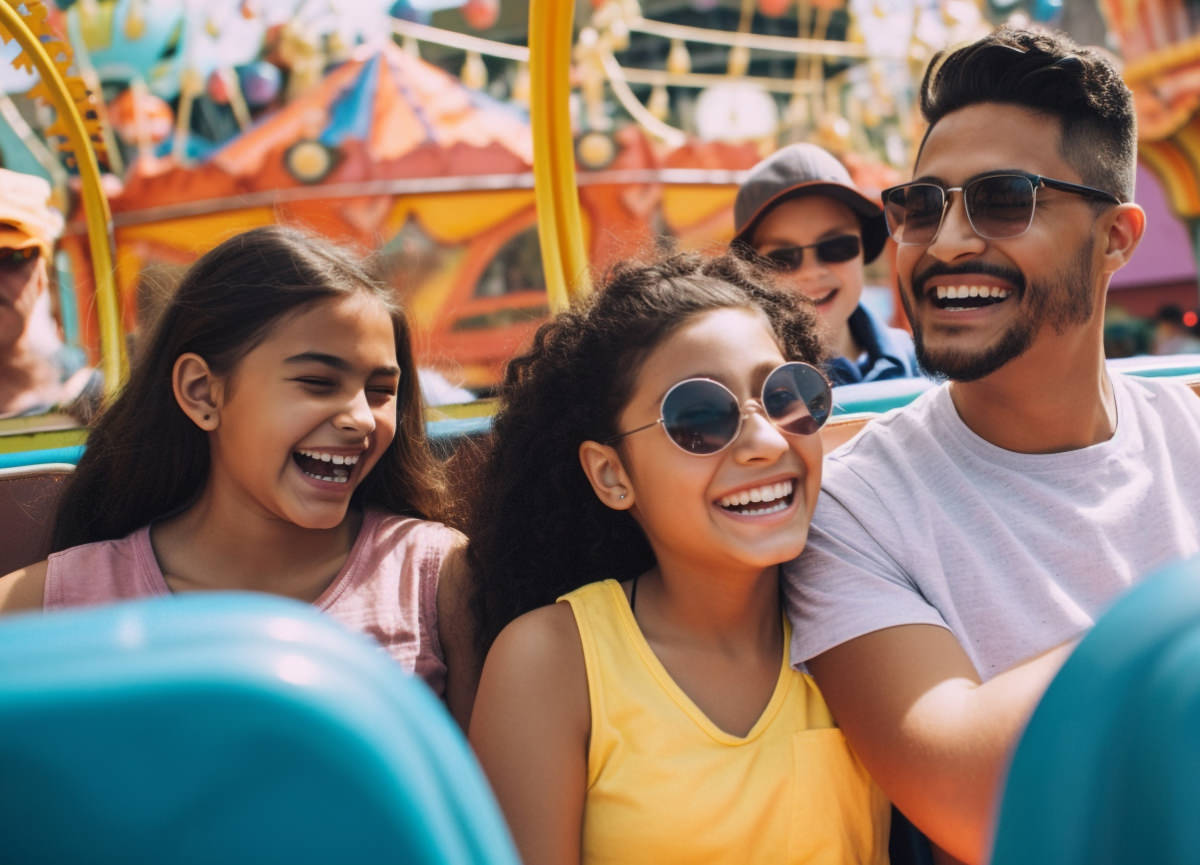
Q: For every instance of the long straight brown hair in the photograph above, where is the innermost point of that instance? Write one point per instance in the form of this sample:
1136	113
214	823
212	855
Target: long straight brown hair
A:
145	459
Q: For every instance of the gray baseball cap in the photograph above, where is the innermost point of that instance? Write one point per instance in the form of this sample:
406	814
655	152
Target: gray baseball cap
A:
805	169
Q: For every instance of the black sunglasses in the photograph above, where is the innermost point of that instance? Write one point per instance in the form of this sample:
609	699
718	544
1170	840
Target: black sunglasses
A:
17	257
999	205
831	250
703	417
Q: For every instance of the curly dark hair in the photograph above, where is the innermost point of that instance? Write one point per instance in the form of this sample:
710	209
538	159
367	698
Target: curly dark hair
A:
537	529
1046	72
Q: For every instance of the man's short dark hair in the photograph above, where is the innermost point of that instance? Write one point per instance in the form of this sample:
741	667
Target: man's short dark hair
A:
1048	73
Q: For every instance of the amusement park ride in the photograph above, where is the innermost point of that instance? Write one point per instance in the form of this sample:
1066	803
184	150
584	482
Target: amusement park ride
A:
389	152
461	196
457	193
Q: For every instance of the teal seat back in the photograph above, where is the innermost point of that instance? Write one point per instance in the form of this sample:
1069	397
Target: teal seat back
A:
1108	770
229	728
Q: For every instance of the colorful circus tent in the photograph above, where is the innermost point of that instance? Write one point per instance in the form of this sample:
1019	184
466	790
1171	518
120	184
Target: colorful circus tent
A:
386	146
396	156
1160	43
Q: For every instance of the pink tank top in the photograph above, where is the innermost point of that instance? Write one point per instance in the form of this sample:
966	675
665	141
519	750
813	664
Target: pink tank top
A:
387	588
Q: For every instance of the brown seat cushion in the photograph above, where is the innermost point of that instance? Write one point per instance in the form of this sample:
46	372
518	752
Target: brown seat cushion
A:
28	499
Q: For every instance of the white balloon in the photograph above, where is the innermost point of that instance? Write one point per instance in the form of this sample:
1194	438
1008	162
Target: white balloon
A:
736	111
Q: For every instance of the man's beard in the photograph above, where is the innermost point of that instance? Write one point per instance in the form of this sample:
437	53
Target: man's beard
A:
1063	300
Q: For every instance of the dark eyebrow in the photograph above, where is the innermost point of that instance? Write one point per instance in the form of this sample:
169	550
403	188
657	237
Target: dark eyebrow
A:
338	363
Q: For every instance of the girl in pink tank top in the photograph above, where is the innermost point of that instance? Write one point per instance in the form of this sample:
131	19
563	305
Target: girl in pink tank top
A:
270	438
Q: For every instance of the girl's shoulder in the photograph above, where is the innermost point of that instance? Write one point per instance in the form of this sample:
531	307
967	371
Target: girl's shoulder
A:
115	569
23	589
540	652
391	533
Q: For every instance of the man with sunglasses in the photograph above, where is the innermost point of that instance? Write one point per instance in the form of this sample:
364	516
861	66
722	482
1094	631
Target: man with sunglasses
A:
799	213
37	372
962	544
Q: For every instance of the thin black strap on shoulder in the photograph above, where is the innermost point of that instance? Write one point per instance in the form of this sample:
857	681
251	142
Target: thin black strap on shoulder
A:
633	595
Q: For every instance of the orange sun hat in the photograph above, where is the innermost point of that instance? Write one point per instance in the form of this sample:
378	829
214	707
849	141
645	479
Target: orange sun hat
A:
26	217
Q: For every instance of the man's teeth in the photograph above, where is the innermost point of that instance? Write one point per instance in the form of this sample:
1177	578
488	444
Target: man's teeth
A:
768	493
336	459
954	292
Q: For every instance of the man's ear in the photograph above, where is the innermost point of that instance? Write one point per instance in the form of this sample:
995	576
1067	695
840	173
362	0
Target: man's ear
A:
1123	231
197	390
605	472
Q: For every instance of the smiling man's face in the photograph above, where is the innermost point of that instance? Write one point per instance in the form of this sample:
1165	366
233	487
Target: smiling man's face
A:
1043	278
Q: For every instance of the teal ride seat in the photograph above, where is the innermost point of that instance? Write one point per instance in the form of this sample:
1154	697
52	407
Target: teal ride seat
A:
1108	770
227	728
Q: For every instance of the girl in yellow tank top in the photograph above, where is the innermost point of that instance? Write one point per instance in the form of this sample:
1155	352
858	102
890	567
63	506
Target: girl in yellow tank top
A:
655	459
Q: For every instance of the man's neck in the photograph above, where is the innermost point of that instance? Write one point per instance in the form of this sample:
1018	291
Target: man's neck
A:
1056	397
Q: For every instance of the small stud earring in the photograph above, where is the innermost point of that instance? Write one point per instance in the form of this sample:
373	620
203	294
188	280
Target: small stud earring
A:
621	497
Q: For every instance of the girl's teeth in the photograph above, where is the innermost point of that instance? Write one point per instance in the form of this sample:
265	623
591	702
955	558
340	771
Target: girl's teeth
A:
766	494
335	459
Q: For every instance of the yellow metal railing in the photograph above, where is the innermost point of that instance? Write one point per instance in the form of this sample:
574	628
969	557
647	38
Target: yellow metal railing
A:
95	206
560	228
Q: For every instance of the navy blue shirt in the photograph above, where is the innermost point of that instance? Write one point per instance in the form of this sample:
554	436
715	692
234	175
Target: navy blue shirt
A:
887	352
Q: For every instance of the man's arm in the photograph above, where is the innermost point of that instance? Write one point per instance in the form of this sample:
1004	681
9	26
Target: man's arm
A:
936	740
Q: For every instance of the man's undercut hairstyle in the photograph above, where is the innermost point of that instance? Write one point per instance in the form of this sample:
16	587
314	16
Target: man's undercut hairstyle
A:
1046	72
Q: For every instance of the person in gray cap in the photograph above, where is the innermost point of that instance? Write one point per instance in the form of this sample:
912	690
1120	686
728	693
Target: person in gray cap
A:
799	213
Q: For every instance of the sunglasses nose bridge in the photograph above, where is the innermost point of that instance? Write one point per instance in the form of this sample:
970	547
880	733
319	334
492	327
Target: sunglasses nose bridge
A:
754	407
956	226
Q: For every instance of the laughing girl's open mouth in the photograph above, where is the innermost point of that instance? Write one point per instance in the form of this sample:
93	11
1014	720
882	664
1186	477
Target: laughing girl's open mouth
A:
325	467
760	501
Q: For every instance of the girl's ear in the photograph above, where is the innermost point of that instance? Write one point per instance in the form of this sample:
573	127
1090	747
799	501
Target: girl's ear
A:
197	390
606	474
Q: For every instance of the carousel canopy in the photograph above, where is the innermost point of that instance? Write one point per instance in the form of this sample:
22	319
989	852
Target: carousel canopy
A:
383	114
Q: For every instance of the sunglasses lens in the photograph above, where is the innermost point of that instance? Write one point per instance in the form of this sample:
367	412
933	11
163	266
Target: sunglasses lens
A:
700	416
784	260
838	249
797	398
1000	205
17	257
914	212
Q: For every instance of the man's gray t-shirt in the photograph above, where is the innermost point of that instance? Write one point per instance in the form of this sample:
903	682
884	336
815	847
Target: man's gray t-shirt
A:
921	521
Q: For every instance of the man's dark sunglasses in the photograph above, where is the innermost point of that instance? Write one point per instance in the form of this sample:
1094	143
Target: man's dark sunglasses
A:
999	205
831	250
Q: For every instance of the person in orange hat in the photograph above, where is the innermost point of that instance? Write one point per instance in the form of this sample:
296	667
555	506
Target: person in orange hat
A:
37	372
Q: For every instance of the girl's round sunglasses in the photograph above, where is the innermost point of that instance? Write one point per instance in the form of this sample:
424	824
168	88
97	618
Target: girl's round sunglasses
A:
703	417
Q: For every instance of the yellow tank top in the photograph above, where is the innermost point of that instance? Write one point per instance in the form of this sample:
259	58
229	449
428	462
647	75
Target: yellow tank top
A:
666	785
